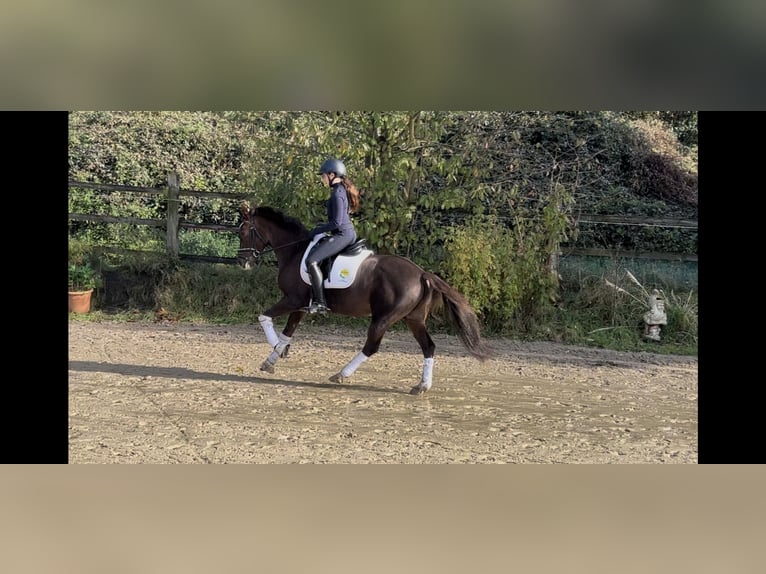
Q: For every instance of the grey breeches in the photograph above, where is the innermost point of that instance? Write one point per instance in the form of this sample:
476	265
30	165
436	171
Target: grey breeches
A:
329	246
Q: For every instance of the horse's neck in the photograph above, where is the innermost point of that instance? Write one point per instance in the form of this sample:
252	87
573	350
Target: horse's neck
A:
285	245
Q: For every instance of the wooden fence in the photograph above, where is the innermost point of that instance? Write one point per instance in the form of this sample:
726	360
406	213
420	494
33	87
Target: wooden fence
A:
173	222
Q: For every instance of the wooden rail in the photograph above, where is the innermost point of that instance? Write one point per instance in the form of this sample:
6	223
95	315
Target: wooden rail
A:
152	222
638	220
613	253
173	223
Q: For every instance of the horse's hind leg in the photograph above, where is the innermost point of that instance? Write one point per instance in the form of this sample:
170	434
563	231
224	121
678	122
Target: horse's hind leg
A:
418	328
345	373
375	333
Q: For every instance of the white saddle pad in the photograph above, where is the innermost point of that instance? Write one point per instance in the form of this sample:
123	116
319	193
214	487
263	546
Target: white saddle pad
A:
343	270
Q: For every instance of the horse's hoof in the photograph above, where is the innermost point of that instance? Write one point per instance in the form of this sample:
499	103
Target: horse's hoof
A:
268	367
338	378
418	390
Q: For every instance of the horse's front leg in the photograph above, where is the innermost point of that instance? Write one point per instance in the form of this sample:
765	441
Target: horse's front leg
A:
281	342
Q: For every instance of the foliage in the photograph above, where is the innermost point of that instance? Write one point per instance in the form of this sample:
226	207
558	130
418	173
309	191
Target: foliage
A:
393	158
219	292
622	200
607	310
683	318
420	172
503	272
203	242
658	168
78	251
140	149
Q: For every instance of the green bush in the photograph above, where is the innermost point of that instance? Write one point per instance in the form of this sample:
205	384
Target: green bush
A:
502	273
204	242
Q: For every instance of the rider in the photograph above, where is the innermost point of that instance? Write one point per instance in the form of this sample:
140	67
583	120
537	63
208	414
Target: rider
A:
339	230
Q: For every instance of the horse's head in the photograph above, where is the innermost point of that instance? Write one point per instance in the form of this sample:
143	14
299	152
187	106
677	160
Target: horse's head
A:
265	229
251	241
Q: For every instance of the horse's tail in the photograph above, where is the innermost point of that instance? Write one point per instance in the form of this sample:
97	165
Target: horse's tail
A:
462	316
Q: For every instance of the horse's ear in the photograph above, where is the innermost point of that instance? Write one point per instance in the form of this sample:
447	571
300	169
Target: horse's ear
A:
244	208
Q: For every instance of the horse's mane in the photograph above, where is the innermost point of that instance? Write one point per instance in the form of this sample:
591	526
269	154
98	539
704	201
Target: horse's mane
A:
287	222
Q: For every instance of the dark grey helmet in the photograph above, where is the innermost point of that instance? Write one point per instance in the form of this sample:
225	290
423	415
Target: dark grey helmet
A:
333	165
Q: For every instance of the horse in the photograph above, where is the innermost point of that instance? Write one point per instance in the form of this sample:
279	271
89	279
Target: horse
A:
386	288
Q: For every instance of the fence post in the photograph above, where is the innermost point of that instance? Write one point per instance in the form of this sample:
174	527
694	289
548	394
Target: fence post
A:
173	215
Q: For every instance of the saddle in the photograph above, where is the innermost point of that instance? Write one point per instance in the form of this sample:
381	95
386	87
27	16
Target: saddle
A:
354	249
339	270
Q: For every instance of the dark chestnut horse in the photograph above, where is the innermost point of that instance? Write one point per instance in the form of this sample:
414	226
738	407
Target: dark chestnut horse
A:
387	288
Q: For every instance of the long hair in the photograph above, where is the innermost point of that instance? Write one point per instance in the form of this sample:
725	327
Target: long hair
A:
353	195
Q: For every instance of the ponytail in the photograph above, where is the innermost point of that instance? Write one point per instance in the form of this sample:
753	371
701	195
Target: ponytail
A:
353	195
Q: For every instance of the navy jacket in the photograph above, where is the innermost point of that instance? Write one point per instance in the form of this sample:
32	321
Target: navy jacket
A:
338	219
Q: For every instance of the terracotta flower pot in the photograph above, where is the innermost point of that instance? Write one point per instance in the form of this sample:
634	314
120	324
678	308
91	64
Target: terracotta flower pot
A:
79	301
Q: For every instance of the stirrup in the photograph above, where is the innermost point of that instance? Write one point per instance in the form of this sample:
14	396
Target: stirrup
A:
315	307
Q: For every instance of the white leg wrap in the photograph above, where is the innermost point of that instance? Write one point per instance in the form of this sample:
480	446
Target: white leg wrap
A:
353	365
272	358
268	328
428	371
283	342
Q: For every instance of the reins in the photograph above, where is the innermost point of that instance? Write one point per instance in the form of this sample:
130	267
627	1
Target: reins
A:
267	246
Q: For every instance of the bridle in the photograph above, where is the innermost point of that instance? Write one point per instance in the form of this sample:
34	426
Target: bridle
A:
246	252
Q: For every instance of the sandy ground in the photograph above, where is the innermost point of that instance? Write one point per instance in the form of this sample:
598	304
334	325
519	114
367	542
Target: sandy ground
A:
180	393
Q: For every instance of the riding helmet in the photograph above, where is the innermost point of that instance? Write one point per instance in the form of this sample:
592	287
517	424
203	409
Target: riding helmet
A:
333	165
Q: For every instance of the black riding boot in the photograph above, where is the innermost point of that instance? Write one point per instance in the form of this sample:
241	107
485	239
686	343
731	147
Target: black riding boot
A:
318	303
